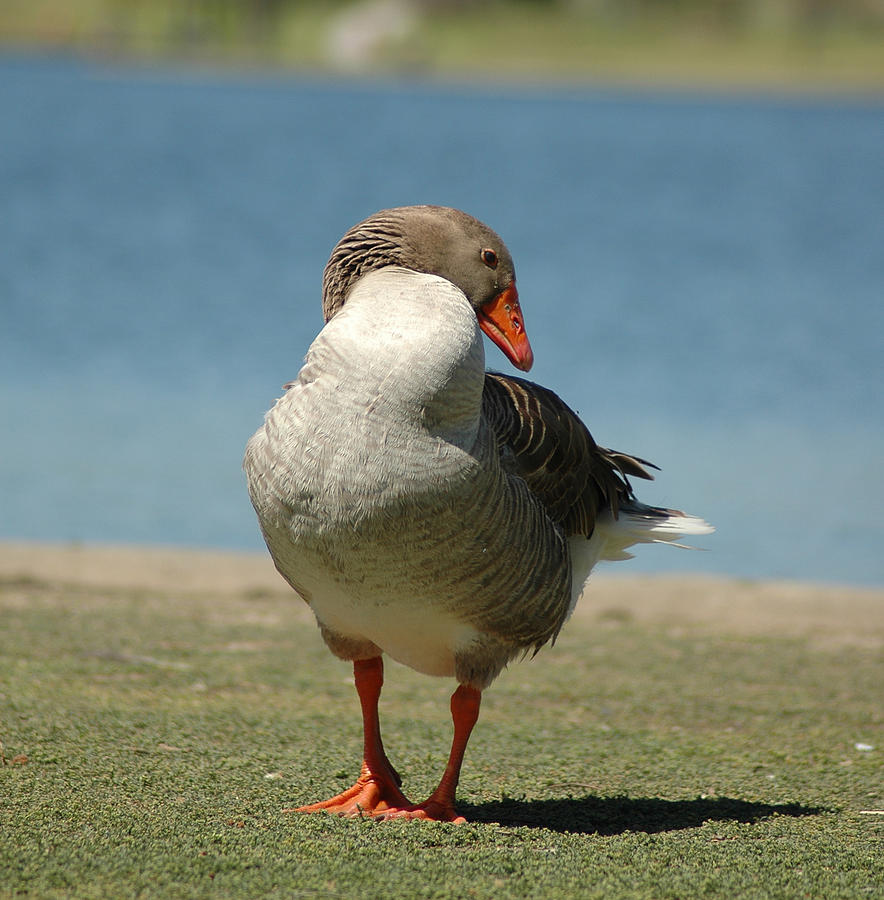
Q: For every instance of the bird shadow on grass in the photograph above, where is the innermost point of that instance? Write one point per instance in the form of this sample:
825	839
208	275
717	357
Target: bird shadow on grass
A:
617	815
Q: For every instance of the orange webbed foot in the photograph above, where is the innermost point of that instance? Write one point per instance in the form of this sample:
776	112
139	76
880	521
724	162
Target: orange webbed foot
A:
429	811
372	794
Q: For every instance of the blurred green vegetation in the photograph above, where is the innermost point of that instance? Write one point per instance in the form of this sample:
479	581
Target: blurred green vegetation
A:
817	44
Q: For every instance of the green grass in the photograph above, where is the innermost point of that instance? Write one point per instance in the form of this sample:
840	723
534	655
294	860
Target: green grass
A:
489	41
657	53
151	743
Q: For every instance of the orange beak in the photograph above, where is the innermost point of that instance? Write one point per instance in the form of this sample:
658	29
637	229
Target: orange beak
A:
501	319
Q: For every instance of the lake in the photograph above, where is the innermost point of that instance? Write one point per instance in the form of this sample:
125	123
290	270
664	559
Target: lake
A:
702	279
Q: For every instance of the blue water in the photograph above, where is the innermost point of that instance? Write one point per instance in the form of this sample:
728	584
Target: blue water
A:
702	278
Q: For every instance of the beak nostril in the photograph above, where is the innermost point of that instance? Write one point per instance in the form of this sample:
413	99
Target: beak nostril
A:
501	319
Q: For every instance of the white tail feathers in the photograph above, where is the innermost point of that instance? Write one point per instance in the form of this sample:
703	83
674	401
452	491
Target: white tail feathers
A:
640	524
636	524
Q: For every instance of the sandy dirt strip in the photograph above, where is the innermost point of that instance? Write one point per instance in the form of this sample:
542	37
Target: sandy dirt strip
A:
826	613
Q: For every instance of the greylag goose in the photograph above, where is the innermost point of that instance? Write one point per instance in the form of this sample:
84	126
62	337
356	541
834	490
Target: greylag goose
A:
423	507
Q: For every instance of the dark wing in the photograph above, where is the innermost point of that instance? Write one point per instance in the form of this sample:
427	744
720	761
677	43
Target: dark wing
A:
544	442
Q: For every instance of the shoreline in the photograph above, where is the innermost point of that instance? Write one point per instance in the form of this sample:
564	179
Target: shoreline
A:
832	615
651	82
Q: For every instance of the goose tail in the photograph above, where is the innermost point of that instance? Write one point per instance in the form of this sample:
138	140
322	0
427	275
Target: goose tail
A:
638	523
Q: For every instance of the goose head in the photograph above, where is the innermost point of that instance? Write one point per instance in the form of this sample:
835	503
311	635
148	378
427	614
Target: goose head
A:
436	240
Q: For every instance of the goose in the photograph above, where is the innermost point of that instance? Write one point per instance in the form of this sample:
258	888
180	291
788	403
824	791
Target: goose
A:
424	508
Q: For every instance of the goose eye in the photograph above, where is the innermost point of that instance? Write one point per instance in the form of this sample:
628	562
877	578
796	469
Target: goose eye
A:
489	257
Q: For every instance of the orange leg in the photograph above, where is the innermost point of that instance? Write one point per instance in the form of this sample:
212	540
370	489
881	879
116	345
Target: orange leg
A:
377	788
439	806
